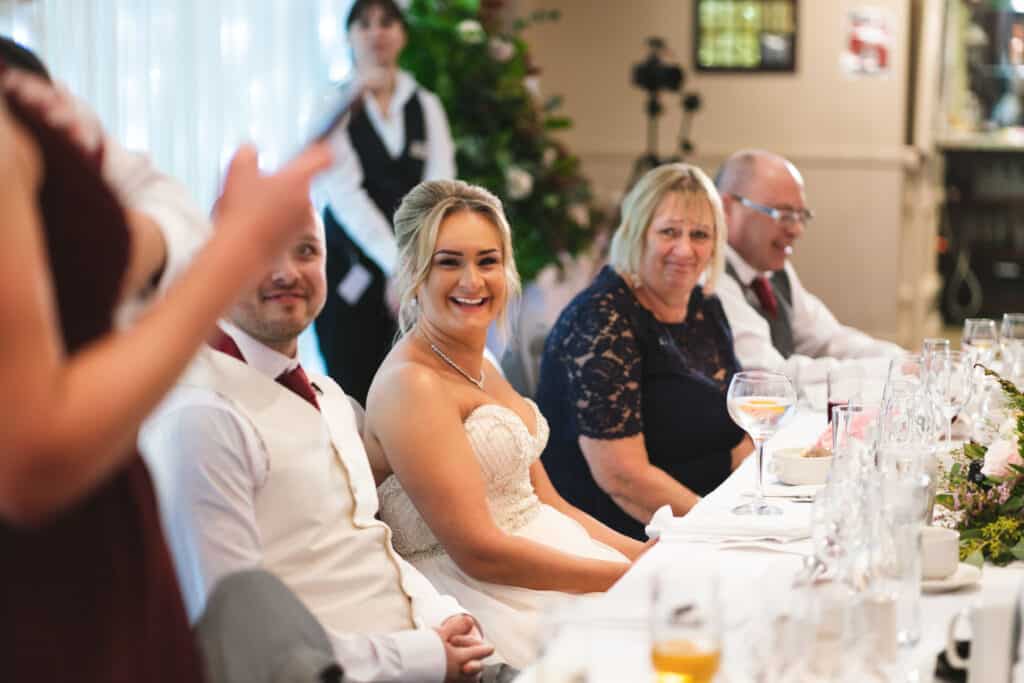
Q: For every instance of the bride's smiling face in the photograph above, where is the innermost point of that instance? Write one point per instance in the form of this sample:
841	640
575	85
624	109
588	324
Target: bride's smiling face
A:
465	289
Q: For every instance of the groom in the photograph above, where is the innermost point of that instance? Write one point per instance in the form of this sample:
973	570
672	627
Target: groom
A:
258	465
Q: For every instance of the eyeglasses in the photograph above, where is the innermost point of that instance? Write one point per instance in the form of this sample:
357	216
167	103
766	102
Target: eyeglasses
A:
787	217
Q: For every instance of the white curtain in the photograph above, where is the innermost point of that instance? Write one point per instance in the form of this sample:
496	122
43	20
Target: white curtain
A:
189	80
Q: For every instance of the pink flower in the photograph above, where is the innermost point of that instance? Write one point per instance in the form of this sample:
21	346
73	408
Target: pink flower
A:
1000	456
858	428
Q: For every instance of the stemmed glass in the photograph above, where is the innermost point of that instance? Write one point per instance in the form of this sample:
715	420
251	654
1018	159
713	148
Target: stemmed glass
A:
759	402
949	385
1011	334
980	340
933	345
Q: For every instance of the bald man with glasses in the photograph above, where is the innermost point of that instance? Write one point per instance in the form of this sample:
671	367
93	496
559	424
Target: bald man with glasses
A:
776	323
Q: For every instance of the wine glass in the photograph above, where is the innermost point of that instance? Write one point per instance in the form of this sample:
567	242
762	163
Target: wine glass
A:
759	402
685	619
932	345
980	339
906	367
1011	335
949	385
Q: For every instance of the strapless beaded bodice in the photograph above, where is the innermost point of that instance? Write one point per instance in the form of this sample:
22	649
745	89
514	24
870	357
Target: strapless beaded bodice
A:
505	449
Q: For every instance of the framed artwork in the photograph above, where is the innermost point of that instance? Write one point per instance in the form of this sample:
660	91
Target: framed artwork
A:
745	35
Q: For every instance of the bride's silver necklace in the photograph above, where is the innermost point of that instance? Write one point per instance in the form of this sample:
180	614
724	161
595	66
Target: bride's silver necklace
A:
458	368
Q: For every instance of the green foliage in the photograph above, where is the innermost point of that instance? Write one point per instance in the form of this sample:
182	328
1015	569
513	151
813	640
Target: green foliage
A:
502	135
1000	541
974	451
989	510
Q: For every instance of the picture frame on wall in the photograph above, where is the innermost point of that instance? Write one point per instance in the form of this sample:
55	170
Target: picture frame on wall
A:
745	36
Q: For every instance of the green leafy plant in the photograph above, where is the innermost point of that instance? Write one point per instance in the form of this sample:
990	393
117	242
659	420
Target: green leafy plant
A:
984	489
503	133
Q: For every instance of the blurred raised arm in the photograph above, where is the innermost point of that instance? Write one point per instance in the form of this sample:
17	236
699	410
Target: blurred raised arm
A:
66	424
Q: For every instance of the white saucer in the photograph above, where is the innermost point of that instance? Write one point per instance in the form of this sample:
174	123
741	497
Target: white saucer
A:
965	575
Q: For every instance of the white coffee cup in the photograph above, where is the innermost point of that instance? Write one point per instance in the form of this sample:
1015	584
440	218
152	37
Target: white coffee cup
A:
940	553
991	654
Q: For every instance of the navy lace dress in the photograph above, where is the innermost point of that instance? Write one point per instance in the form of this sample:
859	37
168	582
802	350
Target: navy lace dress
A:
611	370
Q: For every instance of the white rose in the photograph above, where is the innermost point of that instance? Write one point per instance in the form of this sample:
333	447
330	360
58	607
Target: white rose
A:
999	456
579	214
501	50
519	182
470	32
532	85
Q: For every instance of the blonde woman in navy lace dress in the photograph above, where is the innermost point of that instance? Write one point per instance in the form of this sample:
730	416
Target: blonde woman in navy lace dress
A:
634	373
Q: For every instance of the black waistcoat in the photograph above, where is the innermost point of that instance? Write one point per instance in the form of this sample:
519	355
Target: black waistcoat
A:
385	178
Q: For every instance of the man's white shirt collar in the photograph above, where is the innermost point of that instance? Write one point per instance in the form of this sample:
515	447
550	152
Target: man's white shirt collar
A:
257	354
744	270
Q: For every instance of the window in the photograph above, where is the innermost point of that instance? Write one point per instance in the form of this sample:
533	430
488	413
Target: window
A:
745	35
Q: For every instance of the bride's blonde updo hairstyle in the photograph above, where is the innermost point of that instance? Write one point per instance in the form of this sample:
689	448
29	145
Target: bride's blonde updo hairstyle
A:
417	223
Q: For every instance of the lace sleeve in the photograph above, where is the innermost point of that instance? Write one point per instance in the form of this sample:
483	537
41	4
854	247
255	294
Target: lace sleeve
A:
604	367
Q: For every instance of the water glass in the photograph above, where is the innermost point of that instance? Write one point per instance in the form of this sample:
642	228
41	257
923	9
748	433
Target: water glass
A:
897	551
1011	335
908	367
900	431
592	638
933	345
949	385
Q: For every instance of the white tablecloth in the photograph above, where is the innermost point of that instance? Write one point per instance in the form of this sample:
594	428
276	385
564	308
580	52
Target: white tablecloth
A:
753	578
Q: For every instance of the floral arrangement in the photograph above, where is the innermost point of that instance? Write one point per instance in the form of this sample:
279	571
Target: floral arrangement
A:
984	489
503	130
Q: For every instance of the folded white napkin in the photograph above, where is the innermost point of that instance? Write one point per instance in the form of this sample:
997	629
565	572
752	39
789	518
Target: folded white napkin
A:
709	523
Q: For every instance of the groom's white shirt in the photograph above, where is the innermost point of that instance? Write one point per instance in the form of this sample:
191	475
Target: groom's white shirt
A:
248	474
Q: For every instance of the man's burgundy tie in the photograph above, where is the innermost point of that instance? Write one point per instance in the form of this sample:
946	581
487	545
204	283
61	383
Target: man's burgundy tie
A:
294	380
765	295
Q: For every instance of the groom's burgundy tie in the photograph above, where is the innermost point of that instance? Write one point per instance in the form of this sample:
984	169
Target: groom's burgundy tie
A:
294	380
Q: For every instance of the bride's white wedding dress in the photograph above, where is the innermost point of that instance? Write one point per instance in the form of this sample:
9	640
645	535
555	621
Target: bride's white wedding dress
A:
505	449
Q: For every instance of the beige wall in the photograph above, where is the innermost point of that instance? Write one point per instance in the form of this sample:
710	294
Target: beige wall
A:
847	135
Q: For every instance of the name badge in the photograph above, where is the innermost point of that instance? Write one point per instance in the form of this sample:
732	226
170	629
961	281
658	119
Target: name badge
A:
356	282
418	150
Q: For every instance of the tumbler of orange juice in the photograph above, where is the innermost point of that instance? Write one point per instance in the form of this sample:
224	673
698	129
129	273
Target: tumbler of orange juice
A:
685	631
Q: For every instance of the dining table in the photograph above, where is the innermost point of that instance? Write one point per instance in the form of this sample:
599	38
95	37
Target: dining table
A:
755	578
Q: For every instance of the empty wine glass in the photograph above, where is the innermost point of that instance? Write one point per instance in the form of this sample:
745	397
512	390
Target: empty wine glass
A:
1011	335
949	385
933	345
906	367
980	340
759	402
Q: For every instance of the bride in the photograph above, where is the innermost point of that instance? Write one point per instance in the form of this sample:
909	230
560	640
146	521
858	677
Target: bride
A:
457	449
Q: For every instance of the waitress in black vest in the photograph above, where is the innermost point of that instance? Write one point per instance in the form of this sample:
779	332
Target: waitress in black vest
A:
399	138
